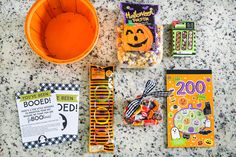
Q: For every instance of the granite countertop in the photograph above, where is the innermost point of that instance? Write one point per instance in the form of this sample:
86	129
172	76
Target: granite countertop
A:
22	69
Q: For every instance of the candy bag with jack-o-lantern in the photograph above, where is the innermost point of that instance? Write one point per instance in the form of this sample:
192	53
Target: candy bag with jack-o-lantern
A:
139	38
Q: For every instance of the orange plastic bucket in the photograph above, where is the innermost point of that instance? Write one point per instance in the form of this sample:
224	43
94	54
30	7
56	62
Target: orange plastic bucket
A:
62	31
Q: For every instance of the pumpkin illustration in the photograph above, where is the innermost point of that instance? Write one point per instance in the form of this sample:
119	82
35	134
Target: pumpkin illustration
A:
137	37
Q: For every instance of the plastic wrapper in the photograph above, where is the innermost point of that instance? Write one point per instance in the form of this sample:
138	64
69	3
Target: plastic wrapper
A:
145	110
149	113
101	109
139	37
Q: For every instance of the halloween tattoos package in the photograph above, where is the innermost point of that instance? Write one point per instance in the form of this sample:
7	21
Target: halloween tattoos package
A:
139	38
183	38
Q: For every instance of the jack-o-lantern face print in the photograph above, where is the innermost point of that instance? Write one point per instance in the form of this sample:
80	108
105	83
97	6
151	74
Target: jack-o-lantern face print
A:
137	37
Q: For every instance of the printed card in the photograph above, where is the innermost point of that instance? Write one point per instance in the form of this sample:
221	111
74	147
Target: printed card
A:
67	105
39	121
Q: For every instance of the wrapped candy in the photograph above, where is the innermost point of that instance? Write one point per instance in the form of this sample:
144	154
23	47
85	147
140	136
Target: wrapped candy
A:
145	109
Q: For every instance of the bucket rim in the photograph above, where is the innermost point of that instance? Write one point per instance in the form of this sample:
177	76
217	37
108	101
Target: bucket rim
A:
39	52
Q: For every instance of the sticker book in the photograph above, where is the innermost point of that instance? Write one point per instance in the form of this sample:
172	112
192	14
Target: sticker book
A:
190	109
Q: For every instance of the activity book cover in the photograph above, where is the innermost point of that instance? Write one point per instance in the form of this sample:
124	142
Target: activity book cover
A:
190	109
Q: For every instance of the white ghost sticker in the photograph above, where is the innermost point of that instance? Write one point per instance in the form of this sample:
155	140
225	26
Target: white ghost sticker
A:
175	133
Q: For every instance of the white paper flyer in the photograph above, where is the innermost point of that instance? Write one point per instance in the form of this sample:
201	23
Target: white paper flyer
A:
39	120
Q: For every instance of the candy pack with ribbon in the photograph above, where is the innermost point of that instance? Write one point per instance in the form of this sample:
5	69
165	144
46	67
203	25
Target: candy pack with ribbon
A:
144	109
139	37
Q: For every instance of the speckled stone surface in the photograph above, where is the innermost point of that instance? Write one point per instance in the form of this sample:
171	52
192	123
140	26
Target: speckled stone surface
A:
22	69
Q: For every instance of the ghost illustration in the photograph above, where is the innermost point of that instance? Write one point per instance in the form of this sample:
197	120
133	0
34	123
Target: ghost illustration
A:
42	139
208	123
175	133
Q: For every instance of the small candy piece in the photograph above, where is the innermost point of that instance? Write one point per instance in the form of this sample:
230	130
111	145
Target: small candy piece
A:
155	108
138	110
138	123
157	116
138	117
119	40
190	39
157	105
151	104
144	114
184	40
150	122
145	108
150	115
119	30
178	36
128	121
